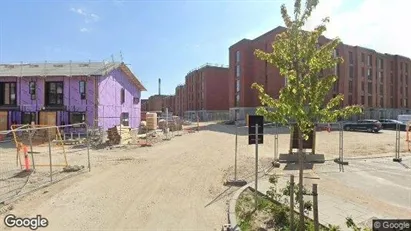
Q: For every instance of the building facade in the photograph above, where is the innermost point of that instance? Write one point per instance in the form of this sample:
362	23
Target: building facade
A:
206	88
155	103
97	93
377	81
169	102
179	100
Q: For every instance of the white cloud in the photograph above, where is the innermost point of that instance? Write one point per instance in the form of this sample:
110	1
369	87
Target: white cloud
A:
84	29
375	24
88	17
118	3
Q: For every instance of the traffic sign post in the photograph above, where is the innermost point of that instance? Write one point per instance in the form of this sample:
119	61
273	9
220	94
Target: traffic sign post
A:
235	182
255	136
255	122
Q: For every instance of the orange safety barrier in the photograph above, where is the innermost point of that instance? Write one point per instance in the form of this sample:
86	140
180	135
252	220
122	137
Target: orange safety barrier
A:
26	159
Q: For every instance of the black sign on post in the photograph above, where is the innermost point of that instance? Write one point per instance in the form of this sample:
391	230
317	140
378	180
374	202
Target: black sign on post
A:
252	121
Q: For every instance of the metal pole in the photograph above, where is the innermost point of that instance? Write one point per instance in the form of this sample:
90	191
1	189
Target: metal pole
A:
31	149
315	208
275	142
235	158
292	202
166	123
342	146
88	148
51	162
256	166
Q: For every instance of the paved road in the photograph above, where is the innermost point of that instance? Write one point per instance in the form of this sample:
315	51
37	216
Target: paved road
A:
381	178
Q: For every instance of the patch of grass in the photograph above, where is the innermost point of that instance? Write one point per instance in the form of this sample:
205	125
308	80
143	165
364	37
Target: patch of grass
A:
268	216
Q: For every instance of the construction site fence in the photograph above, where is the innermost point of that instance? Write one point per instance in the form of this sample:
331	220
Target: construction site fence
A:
332	140
32	156
207	116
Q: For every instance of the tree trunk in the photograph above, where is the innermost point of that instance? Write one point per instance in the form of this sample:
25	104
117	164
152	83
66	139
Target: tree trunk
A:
300	183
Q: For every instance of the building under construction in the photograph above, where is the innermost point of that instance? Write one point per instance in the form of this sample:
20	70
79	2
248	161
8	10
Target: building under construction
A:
103	94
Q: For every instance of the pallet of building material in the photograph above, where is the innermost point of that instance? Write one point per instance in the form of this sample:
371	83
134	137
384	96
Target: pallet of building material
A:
125	134
113	136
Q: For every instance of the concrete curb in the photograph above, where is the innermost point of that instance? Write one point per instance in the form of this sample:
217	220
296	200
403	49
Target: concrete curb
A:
232	218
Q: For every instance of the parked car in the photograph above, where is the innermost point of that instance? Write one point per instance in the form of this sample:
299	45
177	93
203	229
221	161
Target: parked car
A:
389	124
363	125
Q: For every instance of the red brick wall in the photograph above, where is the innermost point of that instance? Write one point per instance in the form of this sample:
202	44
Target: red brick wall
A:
215	88
254	70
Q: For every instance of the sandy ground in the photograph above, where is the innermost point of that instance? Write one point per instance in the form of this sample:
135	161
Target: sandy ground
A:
174	185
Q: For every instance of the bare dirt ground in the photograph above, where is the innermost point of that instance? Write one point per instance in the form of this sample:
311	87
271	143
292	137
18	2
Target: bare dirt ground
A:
174	185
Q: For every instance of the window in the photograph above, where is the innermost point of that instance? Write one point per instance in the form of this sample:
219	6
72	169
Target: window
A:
350	57
362	100
406	68
350	86
237	56
405	102
54	93
380	63
124	119
369	100
362	72
381	76
369	60
32	90
369	88
369	73
122	96
392	90
8	94
136	100
392	102
237	71
337	71
392	77
237	85
362	58
381	89
349	99
400	66
381	102
401	78
237	100
28	117
82	89
362	86
392	65
77	117
351	72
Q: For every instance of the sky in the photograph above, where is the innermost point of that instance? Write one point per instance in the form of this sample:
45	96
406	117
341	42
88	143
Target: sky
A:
168	39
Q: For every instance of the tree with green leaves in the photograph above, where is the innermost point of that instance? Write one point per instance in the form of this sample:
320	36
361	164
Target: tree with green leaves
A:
303	62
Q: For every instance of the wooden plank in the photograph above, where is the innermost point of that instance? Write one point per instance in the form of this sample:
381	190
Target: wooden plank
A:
3	120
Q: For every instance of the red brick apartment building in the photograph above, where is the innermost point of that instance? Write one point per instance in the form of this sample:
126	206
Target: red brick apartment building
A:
155	103
179	100
144	105
169	102
378	81
206	88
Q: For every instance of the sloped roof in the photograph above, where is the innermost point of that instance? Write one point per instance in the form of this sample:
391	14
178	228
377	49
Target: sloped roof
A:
67	69
132	77
57	69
